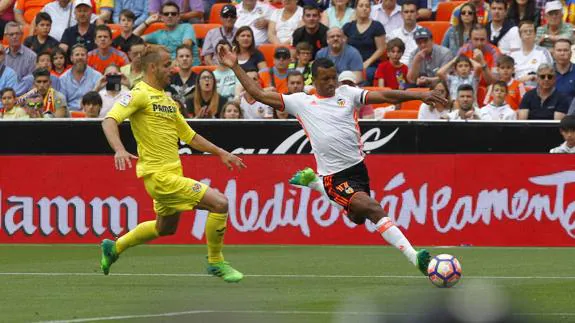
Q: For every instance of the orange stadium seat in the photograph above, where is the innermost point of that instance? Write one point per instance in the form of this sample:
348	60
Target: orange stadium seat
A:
116	30
437	28
155	26
444	10
77	114
268	52
215	13
411	105
201	30
198	69
401	114
30	14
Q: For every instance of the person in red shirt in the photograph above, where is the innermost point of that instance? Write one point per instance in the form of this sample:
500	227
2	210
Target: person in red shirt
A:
105	54
392	73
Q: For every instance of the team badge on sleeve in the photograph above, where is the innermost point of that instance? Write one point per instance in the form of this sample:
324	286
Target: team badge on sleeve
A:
125	99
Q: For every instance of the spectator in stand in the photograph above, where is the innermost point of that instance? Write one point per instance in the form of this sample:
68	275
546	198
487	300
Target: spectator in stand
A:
174	35
498	109
249	57
515	89
349	78
126	37
43	61
109	89
138	8
134	70
479	49
367	36
283	22
92	105
79	79
191	10
104	9
252	109
6	13
182	82
406	33
459	34
464	102
528	59
543	102
105	55
555	28
19	57
465	71
567	130
501	32
255	14
312	32
520	10
42	41
426	60
392	73
229	16
303	60
53	102
345	57
437	111
565	72
59	64
84	32
388	13
482	10
338	14
8	77
275	78
296	84
9	110
423	10
63	16
231	110
205	102
226	80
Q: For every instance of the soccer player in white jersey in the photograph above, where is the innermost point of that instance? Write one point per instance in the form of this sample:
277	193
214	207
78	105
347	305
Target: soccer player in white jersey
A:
330	121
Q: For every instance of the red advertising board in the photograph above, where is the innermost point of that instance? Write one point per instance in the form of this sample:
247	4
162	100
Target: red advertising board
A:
480	200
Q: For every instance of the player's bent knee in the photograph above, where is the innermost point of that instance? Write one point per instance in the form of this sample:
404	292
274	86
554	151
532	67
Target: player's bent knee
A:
221	204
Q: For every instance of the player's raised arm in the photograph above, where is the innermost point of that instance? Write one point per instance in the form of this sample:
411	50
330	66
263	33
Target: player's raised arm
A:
121	157
230	59
394	96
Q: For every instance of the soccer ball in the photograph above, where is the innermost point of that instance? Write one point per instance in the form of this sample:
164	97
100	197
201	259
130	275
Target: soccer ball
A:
444	271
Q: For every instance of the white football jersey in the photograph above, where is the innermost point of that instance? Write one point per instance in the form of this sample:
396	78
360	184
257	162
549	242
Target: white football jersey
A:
331	126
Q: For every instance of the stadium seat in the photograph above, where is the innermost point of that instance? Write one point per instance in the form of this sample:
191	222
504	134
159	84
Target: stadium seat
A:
215	13
77	114
201	30
444	10
116	30
268	52
412	105
30	13
153	27
401	114
200	68
437	28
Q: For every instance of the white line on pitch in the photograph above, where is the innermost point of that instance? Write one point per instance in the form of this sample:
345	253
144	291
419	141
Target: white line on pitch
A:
280	275
171	314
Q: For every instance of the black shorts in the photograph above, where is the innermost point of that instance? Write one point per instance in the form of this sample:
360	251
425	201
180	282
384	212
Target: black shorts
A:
341	186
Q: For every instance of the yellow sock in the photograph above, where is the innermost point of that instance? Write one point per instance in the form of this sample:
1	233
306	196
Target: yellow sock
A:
215	229
142	233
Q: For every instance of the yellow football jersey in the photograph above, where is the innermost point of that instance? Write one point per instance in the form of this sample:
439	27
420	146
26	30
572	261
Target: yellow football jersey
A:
157	124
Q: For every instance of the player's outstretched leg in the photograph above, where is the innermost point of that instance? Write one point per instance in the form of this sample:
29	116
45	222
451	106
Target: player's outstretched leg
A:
217	266
111	250
307	177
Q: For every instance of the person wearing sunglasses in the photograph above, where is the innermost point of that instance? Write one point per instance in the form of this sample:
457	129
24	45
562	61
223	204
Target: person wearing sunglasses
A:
190	10
544	102
229	16
483	12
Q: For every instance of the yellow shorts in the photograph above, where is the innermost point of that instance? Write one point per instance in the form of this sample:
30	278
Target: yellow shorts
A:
172	192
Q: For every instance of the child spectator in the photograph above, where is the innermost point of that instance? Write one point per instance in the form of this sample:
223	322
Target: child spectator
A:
42	41
392	73
498	109
466	72
231	110
9	108
126	37
252	109
567	129
59	64
515	89
304	56
91	104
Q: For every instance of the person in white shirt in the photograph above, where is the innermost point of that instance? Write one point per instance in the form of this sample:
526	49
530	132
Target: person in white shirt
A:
567	129
255	14
283	22
464	102
62	14
109	91
501	31
528	59
388	13
252	109
329	122
438	111
406	31
498	109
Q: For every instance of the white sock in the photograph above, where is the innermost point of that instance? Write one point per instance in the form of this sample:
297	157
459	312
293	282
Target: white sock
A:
317	185
395	237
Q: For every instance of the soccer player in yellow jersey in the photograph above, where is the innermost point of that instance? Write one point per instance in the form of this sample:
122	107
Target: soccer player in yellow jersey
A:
157	125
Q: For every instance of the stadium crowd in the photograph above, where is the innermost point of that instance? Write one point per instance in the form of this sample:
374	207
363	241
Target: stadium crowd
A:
498	60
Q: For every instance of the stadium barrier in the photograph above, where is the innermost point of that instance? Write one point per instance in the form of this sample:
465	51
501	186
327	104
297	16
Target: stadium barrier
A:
443	183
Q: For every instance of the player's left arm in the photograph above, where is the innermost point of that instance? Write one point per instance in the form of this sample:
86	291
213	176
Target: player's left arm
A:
395	96
230	160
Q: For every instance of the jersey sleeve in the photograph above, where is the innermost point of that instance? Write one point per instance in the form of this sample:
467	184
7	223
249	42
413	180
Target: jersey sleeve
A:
185	132
292	103
127	105
357	95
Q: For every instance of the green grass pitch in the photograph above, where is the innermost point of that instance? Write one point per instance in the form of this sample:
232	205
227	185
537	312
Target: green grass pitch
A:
160	283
